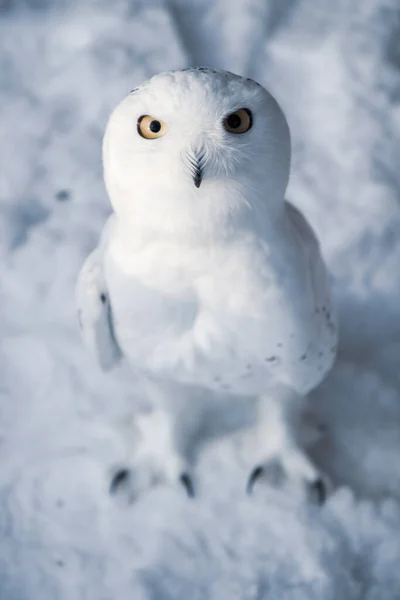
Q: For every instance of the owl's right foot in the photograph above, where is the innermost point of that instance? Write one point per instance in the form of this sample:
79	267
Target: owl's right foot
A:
123	481
152	459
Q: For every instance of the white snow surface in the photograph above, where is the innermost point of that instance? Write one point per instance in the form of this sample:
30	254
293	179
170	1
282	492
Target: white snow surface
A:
335	68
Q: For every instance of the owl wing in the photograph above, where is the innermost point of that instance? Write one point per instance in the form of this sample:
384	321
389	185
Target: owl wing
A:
322	350
95	311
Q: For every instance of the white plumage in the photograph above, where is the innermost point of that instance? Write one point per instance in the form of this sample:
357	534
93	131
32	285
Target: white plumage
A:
205	277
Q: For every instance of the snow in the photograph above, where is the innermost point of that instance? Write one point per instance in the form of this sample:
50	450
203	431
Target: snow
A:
334	66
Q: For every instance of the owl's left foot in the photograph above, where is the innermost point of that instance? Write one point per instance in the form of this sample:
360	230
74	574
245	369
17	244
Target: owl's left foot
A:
280	435
276	472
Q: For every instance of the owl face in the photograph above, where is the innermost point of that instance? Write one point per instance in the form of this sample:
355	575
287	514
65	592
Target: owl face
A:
187	131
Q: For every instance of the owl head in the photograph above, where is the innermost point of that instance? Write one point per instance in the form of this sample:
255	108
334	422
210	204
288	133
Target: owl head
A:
196	144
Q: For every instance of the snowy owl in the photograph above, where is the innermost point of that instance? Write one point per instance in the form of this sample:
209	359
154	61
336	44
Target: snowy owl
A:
205	278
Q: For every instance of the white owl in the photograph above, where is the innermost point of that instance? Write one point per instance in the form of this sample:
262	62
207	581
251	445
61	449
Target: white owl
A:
205	278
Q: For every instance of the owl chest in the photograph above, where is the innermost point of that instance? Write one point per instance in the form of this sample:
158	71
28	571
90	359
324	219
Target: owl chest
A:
171	278
163	293
148	304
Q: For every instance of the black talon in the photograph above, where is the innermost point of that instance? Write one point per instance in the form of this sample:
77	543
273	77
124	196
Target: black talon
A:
120	478
319	489
187	483
254	475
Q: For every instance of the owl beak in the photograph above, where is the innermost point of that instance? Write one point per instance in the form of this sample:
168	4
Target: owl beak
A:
196	163
197	176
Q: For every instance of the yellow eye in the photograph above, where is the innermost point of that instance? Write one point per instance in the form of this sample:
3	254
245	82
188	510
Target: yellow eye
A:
239	121
150	127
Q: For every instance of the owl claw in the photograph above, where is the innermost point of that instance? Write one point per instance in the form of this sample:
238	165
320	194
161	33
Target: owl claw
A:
187	483
120	479
253	477
318	491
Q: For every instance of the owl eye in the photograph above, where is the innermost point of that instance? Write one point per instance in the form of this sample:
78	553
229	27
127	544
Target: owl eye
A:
151	128
239	121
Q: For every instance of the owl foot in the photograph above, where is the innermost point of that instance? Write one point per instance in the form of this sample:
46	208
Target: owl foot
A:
280	436
151	459
276	472
124	481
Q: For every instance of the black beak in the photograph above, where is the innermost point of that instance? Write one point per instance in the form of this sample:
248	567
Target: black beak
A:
197	177
196	162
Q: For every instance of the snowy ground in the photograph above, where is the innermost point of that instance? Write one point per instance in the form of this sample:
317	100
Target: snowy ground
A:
335	67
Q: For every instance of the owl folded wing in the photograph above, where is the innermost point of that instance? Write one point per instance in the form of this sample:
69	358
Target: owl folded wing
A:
325	319
95	312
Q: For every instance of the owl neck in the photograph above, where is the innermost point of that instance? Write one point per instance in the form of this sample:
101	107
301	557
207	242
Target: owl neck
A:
219	209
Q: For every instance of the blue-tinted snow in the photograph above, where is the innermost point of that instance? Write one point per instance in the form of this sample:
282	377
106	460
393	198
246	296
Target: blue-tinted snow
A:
335	67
